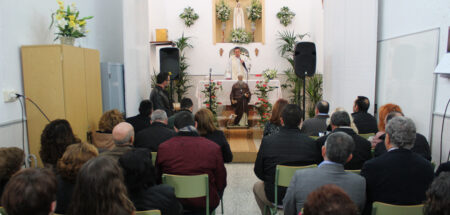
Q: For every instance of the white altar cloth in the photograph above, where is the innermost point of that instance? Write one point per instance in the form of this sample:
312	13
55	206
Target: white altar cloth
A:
223	95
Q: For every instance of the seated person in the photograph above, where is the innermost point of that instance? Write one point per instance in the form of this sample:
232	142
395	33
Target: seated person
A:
11	160
329	199
274	124
140	179
99	189
123	137
336	152
438	196
318	124
340	122
142	120
399	176
190	154
57	135
420	147
364	121
67	169
444	167
30	191
157	133
185	105
382	113
289	146
102	138
206	128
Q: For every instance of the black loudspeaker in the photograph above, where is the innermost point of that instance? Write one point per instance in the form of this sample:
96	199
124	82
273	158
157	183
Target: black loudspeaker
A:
305	59
169	61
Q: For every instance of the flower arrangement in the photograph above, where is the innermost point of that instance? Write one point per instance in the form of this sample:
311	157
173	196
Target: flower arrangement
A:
263	105
223	11
213	87
270	74
67	21
285	16
254	11
189	16
240	36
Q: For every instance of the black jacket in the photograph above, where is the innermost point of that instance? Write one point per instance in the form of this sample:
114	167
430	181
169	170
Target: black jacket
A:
161	197
160	99
420	147
365	122
152	136
63	194
361	153
397	177
219	137
313	126
139	122
444	167
289	146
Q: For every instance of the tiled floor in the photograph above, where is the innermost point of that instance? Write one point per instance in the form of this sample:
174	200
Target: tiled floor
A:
238	197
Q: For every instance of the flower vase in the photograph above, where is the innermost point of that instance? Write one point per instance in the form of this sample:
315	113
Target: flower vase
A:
67	40
224	26
253	28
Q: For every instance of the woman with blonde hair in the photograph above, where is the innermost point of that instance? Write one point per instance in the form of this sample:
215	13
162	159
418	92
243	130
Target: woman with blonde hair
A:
206	128
382	113
274	124
102	138
67	169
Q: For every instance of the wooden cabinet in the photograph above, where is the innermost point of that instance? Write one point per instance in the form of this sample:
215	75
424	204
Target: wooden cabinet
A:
65	82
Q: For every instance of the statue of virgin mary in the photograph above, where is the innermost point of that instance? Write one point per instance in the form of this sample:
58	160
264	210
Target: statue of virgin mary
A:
238	17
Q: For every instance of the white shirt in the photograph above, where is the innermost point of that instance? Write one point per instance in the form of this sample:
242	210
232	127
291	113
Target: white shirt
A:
235	67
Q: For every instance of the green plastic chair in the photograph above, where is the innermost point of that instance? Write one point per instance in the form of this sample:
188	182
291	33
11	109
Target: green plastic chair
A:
314	137
154	157
149	212
356	171
366	136
189	186
379	208
283	176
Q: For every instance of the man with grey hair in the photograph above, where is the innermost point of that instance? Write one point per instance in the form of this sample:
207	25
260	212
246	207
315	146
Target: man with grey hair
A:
123	137
157	133
318	124
399	176
336	152
340	122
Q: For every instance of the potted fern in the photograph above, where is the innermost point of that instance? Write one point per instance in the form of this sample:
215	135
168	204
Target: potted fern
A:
182	84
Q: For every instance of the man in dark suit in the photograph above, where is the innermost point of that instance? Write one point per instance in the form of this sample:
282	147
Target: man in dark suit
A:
189	154
364	121
156	134
288	146
336	152
318	124
159	96
399	176
186	104
340	122
420	147
142	120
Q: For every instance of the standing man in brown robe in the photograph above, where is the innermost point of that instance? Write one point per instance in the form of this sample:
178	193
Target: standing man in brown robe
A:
240	96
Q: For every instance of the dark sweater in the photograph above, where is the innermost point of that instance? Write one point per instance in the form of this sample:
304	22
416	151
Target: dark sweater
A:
161	197
219	137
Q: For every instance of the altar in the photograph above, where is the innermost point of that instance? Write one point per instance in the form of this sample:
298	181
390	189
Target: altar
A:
223	95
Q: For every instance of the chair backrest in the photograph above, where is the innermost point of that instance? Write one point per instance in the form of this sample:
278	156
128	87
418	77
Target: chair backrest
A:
189	186
2	211
283	174
154	157
149	212
366	136
379	208
356	171
314	137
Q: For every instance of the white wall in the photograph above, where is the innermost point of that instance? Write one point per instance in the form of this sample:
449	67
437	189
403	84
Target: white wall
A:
136	51
401	17
350	36
25	22
205	55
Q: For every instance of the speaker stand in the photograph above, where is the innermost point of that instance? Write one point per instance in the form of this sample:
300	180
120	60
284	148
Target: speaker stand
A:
304	96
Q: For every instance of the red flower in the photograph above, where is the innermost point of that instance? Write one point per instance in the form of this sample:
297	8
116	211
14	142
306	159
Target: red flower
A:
264	85
219	83
219	103
259	99
257	82
265	105
207	105
213	97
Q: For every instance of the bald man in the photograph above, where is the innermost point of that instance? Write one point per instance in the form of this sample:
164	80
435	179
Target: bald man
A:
123	137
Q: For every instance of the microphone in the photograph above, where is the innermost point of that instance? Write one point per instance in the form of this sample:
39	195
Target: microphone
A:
243	64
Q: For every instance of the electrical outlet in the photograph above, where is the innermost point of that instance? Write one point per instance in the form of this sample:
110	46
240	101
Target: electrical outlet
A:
9	96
